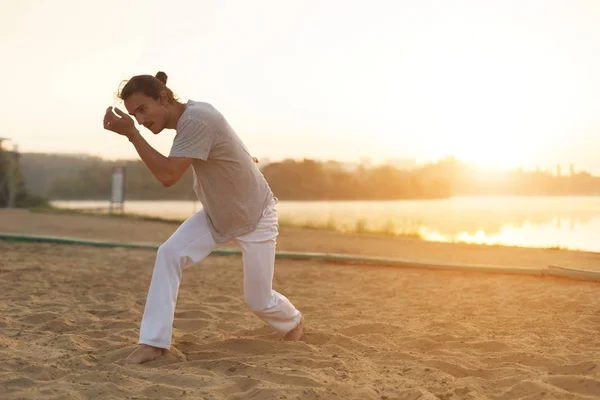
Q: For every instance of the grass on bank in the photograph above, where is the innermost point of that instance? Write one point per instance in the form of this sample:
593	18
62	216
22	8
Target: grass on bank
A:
361	226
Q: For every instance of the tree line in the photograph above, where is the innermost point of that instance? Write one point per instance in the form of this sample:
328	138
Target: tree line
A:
80	178
68	177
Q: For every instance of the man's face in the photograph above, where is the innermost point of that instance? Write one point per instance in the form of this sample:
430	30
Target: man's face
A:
147	111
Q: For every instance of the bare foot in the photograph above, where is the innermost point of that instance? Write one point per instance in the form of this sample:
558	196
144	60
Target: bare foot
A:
144	353
296	333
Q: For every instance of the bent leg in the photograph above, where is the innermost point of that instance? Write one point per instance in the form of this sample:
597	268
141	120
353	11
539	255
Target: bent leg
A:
272	307
258	249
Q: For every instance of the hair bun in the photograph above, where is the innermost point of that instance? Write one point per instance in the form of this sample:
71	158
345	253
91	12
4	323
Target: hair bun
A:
161	76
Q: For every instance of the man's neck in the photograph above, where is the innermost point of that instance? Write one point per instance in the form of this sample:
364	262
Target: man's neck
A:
174	114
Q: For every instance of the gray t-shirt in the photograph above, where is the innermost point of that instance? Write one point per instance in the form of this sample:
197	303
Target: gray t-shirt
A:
231	188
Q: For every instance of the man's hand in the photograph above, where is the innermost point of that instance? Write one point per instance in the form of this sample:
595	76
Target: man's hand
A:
121	123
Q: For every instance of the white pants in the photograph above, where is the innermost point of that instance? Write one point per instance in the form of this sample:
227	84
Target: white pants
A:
192	242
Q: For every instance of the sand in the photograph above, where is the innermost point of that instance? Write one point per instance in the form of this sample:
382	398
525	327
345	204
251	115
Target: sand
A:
69	313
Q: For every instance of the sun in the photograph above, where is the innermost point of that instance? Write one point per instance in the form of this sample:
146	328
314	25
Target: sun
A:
498	155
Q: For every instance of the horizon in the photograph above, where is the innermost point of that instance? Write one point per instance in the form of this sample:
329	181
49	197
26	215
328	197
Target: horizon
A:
504	85
400	163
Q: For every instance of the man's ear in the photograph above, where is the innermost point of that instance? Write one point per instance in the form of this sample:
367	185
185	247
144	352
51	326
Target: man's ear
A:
164	98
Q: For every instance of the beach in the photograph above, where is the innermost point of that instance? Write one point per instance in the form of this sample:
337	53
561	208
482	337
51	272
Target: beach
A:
70	313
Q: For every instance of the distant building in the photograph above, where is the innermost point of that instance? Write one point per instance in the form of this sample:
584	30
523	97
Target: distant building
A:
366	162
402	163
332	165
349	166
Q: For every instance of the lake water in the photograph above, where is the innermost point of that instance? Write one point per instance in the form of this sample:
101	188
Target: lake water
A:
567	222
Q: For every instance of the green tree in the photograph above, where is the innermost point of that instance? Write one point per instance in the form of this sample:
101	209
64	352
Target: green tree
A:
11	178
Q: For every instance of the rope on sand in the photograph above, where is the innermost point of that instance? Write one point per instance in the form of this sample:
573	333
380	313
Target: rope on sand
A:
551	270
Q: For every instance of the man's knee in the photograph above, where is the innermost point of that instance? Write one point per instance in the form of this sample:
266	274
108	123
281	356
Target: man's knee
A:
168	251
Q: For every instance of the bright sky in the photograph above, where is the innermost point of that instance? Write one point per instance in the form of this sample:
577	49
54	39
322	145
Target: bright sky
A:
509	82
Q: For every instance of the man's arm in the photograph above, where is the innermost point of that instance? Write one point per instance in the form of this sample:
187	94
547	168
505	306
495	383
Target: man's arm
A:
167	170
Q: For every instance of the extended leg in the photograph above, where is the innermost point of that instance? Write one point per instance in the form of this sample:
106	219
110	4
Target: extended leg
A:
190	243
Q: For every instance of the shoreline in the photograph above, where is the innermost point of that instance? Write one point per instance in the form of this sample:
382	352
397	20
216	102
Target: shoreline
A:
141	229
285	223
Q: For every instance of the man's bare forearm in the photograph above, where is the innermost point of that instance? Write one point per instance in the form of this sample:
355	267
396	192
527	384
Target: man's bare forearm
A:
159	165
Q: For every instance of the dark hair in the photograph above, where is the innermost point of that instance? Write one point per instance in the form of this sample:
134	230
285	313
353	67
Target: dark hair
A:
149	85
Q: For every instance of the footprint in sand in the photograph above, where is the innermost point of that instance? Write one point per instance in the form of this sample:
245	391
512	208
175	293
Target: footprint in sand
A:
373	328
121	325
190	325
40	318
576	384
456	370
584	368
193	314
59	325
221	299
162	392
527	389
